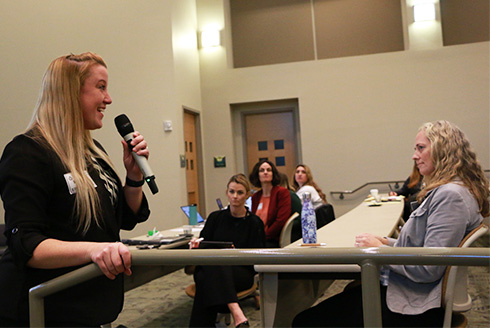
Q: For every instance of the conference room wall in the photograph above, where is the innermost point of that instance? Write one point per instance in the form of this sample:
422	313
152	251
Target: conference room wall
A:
358	115
149	78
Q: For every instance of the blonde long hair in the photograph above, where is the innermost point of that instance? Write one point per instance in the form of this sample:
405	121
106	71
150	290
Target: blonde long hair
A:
309	182
58	119
453	158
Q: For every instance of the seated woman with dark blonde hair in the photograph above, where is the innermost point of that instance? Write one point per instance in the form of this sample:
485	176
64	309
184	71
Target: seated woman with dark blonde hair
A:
452	203
217	286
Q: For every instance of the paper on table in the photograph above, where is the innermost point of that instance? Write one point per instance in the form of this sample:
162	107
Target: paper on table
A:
195	228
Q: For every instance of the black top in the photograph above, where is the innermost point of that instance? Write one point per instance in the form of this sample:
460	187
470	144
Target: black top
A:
38	205
409	193
246	232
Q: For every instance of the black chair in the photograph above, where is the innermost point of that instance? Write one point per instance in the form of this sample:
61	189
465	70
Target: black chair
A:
324	215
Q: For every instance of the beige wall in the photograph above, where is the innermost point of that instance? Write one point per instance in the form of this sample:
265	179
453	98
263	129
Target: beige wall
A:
358	115
149	78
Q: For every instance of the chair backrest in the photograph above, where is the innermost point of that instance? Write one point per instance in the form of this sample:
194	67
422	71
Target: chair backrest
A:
285	236
455	295
324	215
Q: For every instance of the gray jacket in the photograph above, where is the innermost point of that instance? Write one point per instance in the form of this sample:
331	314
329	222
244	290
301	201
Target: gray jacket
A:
446	215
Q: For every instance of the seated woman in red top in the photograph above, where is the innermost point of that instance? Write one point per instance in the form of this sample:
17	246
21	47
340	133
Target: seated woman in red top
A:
272	202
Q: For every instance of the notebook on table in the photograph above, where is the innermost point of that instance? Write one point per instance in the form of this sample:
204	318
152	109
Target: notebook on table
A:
165	240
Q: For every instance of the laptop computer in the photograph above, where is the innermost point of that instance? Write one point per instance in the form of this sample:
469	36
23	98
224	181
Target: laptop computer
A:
186	210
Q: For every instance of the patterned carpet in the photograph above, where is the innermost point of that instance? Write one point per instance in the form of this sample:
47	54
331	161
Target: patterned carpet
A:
163	302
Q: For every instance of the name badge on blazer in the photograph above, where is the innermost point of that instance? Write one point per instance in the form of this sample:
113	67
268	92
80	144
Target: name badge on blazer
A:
70	182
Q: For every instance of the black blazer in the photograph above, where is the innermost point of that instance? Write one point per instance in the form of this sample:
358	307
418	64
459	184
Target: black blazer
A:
38	206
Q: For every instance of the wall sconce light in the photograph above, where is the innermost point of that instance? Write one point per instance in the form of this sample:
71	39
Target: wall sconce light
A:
210	38
424	12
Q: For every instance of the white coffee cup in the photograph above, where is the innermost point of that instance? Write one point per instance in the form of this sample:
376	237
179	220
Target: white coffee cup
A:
375	194
187	229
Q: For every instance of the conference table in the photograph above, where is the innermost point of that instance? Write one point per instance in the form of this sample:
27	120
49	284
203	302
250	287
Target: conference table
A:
286	290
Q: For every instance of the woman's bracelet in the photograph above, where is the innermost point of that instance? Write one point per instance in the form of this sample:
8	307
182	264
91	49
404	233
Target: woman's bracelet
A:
133	183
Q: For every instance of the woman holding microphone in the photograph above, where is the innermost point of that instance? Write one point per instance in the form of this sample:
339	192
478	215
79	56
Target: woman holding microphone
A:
64	202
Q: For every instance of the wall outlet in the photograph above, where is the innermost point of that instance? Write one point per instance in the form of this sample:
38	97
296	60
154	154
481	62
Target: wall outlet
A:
167	126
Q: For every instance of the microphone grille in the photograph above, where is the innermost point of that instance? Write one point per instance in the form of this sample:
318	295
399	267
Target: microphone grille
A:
123	125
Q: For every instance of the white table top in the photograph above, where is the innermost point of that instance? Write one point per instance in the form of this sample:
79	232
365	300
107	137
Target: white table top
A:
379	220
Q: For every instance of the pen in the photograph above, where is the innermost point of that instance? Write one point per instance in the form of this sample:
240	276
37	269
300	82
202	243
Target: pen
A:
389	185
316	244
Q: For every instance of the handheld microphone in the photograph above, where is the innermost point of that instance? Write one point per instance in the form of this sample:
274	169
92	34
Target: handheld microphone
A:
126	130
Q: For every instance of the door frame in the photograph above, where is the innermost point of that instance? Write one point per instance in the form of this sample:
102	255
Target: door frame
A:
238	112
199	156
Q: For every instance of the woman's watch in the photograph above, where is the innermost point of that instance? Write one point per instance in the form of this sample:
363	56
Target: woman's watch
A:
133	183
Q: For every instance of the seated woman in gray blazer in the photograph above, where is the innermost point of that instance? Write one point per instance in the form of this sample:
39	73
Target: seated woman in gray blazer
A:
453	202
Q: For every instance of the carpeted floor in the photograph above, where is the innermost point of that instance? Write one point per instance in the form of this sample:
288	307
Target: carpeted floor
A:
163	302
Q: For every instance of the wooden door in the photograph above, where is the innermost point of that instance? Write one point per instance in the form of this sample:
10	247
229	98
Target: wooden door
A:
191	167
271	136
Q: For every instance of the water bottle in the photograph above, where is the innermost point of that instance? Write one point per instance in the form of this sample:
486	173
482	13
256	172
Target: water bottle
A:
308	220
193	214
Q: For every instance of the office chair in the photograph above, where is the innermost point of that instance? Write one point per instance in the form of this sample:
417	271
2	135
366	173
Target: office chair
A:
324	215
455	297
285	236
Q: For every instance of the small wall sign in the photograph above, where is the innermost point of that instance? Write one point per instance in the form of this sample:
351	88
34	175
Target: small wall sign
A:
219	161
